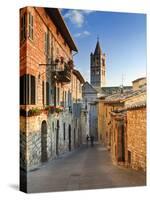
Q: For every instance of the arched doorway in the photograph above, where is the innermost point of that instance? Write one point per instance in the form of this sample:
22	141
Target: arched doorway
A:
44	142
69	136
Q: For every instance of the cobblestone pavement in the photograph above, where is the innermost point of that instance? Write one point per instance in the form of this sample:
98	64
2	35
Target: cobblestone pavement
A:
86	168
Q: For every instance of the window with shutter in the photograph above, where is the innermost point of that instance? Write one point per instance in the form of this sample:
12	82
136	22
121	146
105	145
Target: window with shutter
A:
30	26
23	28
27	90
21	90
46	43
32	89
47	93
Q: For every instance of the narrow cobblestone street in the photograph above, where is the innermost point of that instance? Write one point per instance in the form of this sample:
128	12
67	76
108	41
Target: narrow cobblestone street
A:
86	168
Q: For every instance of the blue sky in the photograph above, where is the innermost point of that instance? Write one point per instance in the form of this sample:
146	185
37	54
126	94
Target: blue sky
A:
122	37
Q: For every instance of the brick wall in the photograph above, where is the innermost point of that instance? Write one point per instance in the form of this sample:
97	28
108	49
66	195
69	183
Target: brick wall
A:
32	53
136	134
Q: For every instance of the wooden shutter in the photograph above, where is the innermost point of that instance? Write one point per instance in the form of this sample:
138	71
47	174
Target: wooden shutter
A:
46	39
47	93
32	89
27	89
30	26
21	90
23	28
43	93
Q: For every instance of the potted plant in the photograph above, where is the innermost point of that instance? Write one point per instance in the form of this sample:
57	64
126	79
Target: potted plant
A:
58	109
34	112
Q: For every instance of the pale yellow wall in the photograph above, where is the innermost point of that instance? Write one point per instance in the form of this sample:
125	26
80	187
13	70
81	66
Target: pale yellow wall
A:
137	84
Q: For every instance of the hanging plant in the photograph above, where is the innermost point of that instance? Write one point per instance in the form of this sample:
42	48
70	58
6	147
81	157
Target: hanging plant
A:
30	112
59	109
34	112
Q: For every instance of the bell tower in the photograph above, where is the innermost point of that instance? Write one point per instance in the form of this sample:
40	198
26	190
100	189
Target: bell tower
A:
98	67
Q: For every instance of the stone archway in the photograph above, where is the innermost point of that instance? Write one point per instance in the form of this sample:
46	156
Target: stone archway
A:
44	156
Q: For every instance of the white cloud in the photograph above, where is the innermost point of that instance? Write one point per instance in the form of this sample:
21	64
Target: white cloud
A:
88	11
77	17
86	32
82	34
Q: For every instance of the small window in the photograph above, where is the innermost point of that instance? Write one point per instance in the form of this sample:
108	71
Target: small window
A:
23	28
103	62
30	26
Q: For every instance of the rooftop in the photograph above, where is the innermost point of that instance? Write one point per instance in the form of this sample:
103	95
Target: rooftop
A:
58	20
120	97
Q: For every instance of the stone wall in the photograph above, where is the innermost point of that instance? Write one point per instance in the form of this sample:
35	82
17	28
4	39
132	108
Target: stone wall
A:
31	136
118	138
136	134
104	120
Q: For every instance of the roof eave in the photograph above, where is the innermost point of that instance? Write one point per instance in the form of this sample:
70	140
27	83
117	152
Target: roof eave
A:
55	14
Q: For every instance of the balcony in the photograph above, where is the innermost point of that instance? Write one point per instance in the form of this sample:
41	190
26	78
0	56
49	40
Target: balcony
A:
63	76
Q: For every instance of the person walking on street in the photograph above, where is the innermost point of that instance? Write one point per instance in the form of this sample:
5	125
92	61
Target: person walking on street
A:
87	139
92	140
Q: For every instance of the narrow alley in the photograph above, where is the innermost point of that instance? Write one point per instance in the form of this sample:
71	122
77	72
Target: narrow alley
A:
86	168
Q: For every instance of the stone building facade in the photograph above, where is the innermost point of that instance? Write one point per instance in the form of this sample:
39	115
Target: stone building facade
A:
90	96
50	88
136	134
122	127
